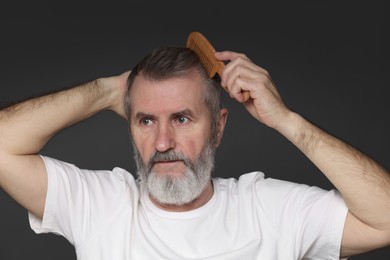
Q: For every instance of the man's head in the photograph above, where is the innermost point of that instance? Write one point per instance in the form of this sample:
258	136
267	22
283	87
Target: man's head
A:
176	122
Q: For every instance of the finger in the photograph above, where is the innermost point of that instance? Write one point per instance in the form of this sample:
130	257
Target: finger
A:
229	55
244	61
238	63
245	79
240	89
242	71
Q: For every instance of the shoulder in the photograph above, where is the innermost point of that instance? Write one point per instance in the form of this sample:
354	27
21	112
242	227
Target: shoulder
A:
269	190
255	181
72	175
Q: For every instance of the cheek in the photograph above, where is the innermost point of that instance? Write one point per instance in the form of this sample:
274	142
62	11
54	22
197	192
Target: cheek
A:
143	145
192	145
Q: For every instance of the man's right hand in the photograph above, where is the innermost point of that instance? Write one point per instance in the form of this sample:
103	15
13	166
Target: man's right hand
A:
119	85
26	127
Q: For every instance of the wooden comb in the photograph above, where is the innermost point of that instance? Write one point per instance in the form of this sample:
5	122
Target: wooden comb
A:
203	48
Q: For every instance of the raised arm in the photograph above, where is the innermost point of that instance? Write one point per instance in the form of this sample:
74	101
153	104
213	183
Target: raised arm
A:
362	182
26	127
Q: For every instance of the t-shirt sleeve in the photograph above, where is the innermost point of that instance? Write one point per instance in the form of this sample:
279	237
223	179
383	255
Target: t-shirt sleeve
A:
78	200
310	220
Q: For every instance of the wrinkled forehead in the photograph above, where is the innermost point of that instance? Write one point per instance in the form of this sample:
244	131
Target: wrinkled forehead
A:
166	94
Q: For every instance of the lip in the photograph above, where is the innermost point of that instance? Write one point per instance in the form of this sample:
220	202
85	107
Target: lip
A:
174	168
167	162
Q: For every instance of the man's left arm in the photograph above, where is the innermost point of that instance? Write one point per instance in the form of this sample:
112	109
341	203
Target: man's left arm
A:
362	182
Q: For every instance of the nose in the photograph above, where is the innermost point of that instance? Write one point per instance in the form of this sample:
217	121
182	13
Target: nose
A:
164	138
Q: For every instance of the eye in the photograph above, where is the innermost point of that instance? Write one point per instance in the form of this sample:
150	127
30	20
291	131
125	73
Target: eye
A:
146	121
182	119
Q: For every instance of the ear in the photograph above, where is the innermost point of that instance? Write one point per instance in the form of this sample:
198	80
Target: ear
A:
221	125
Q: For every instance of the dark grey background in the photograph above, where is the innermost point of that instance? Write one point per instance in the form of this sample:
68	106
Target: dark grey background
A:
329	59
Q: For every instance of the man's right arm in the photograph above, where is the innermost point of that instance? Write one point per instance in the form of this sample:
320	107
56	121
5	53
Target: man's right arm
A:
26	127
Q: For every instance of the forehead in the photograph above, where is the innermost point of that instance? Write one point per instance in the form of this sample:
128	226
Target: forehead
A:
168	95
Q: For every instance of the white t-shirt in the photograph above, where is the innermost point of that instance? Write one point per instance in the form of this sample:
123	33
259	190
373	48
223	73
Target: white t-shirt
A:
105	216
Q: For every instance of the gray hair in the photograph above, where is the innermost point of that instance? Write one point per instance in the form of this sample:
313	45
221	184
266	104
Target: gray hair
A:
170	62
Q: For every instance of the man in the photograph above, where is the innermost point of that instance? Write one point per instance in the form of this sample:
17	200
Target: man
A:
175	210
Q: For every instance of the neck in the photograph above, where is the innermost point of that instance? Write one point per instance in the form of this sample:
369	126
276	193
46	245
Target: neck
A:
204	197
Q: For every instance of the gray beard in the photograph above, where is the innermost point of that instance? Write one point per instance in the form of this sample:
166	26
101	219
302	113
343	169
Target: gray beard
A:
171	190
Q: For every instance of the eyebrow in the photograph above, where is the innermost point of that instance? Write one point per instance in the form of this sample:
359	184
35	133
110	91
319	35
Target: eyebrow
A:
184	112
141	115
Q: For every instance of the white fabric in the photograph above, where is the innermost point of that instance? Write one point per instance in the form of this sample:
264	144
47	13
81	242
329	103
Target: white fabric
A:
105	216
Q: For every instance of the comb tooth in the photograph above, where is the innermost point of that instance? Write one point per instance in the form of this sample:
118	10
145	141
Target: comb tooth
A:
205	61
200	54
205	51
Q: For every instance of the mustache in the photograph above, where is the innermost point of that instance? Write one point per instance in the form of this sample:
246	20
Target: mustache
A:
169	156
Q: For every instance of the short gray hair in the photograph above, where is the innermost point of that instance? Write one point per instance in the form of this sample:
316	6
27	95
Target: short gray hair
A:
171	62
